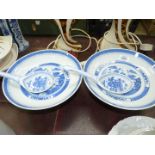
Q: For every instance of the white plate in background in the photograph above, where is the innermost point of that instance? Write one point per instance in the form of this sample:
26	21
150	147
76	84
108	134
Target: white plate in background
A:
135	125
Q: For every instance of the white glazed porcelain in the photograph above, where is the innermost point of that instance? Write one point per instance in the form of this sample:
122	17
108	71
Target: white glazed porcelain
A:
10	58
65	84
5	46
133	65
135	125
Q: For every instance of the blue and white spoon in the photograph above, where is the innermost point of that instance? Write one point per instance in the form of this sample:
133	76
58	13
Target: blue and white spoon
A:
37	82
41	81
113	83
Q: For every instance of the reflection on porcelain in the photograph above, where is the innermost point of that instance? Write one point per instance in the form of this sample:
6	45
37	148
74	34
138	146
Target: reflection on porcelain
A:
135	69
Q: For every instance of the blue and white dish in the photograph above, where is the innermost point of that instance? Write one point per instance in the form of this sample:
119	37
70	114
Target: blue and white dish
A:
134	90
65	83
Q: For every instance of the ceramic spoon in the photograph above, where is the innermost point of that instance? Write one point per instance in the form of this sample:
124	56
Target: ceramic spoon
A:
41	81
37	82
115	87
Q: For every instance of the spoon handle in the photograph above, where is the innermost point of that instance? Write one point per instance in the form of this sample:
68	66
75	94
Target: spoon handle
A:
9	76
95	79
80	72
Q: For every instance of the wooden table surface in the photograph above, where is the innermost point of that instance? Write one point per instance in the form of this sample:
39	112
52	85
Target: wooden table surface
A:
81	114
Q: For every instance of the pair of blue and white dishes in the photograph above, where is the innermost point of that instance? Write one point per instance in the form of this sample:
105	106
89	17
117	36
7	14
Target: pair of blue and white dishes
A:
128	78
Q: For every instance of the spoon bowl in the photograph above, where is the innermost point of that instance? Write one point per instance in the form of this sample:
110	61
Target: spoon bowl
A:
37	82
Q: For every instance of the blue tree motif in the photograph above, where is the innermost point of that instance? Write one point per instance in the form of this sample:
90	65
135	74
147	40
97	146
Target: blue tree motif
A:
115	84
40	83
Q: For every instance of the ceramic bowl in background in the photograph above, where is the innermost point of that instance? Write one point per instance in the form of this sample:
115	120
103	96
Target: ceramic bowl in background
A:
135	125
10	58
5	46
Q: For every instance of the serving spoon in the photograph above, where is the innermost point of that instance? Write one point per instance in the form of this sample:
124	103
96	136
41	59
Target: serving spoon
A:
102	80
41	81
37	82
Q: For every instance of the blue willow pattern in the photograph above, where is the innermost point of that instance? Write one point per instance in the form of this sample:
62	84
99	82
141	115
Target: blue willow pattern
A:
135	74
